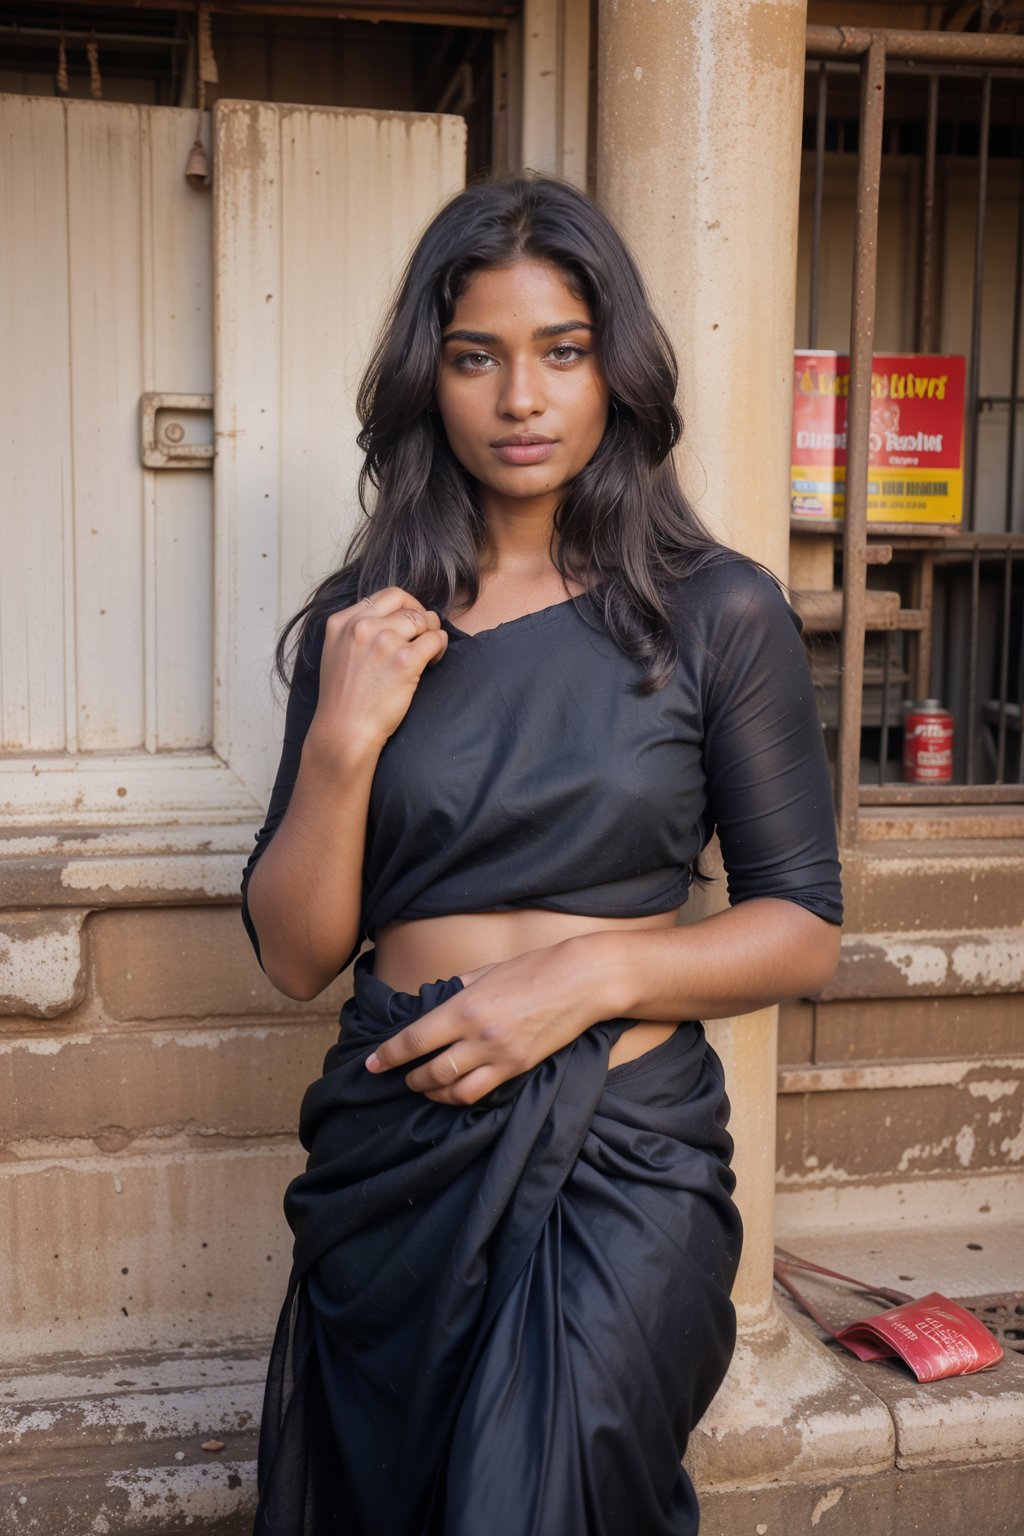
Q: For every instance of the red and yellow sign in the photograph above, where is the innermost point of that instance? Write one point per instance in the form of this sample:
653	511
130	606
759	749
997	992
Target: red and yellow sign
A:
916	437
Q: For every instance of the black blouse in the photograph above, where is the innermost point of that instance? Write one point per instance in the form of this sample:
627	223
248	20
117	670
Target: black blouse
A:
526	773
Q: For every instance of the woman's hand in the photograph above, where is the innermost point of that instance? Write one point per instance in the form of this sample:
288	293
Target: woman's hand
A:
373	658
511	1015
507	1018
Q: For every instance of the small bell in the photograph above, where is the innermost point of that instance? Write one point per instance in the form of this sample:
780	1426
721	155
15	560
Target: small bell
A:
197	166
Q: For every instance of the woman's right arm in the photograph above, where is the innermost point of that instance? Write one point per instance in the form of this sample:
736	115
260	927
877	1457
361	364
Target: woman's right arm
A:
303	886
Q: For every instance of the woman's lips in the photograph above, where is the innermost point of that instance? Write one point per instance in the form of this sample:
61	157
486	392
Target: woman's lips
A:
524	453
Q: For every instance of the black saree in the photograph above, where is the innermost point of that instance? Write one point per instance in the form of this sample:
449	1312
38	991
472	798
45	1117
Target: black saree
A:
504	1318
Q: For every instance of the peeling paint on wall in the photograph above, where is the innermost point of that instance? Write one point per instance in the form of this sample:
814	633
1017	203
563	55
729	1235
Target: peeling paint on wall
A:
41	971
992	1089
920	964
827	1501
997	960
921	1151
964	1144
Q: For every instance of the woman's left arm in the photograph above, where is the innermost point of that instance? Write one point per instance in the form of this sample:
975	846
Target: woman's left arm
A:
748	957
511	1015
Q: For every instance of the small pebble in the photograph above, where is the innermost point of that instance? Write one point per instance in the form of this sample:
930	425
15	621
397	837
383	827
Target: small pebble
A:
179	1455
213	1445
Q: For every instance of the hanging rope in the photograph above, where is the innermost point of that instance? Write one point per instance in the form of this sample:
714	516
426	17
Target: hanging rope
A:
63	85
92	53
207	59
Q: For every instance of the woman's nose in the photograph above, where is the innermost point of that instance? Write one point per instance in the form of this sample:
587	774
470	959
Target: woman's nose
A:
522	392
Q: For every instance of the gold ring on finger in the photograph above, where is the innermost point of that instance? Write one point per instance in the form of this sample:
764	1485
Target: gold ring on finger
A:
413	614
455	1066
368	601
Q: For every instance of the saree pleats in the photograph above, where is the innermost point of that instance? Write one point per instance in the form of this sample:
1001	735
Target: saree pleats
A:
505	1318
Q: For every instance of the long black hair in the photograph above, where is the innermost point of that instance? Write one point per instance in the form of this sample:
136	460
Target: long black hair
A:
623	529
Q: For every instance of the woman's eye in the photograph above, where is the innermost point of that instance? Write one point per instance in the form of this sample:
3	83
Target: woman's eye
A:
474	362
567	352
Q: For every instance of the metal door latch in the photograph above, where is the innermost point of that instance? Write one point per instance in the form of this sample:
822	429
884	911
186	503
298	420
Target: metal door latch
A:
177	431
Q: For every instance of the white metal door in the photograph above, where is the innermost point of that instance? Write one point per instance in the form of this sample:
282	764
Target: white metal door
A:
139	604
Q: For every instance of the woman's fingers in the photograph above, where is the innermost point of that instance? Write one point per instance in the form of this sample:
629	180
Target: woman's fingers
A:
447	1069
386	601
374	655
430	1033
439	1035
468	1088
392	609
457	1048
427	648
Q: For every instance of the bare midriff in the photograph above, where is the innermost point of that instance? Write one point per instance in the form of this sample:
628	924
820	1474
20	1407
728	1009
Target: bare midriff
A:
406	954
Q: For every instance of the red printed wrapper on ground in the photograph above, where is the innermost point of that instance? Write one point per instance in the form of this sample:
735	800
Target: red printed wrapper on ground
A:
934	1336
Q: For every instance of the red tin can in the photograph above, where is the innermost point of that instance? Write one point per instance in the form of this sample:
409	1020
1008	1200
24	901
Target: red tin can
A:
927	743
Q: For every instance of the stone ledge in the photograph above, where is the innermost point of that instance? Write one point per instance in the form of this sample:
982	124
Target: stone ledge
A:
147	1493
124	866
901	887
798	1440
114	1445
960	1421
928	963
788	1411
137	1398
984	1501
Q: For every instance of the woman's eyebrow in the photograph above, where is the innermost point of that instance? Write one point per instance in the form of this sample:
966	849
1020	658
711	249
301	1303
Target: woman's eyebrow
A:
561	330
487	339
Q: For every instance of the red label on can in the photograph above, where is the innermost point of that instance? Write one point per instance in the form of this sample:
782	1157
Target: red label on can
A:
927	745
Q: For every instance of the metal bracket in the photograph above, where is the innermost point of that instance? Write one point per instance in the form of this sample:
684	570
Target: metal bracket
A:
172	427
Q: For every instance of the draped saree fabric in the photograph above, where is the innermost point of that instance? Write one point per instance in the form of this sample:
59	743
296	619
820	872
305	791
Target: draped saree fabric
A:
502	1318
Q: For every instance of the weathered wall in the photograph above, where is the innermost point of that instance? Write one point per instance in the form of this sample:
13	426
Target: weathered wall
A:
907	1073
148	1128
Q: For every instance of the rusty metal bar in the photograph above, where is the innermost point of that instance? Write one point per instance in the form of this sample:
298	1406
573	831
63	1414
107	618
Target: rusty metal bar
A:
957	546
1018	290
942	794
819	186
925	600
862	341
990	48
926	281
476	13
1004	667
18	36
950	71
883	734
972	663
974	368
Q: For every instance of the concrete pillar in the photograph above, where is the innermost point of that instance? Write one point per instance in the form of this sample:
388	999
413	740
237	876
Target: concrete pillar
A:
699	107
555	87
698	161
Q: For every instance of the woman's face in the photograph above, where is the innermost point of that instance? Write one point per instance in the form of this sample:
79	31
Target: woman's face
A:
520	391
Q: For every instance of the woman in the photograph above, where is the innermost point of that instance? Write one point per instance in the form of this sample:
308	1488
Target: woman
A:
517	714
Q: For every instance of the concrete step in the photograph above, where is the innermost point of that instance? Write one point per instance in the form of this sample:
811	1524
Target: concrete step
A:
934	881
802	1438
113	1445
